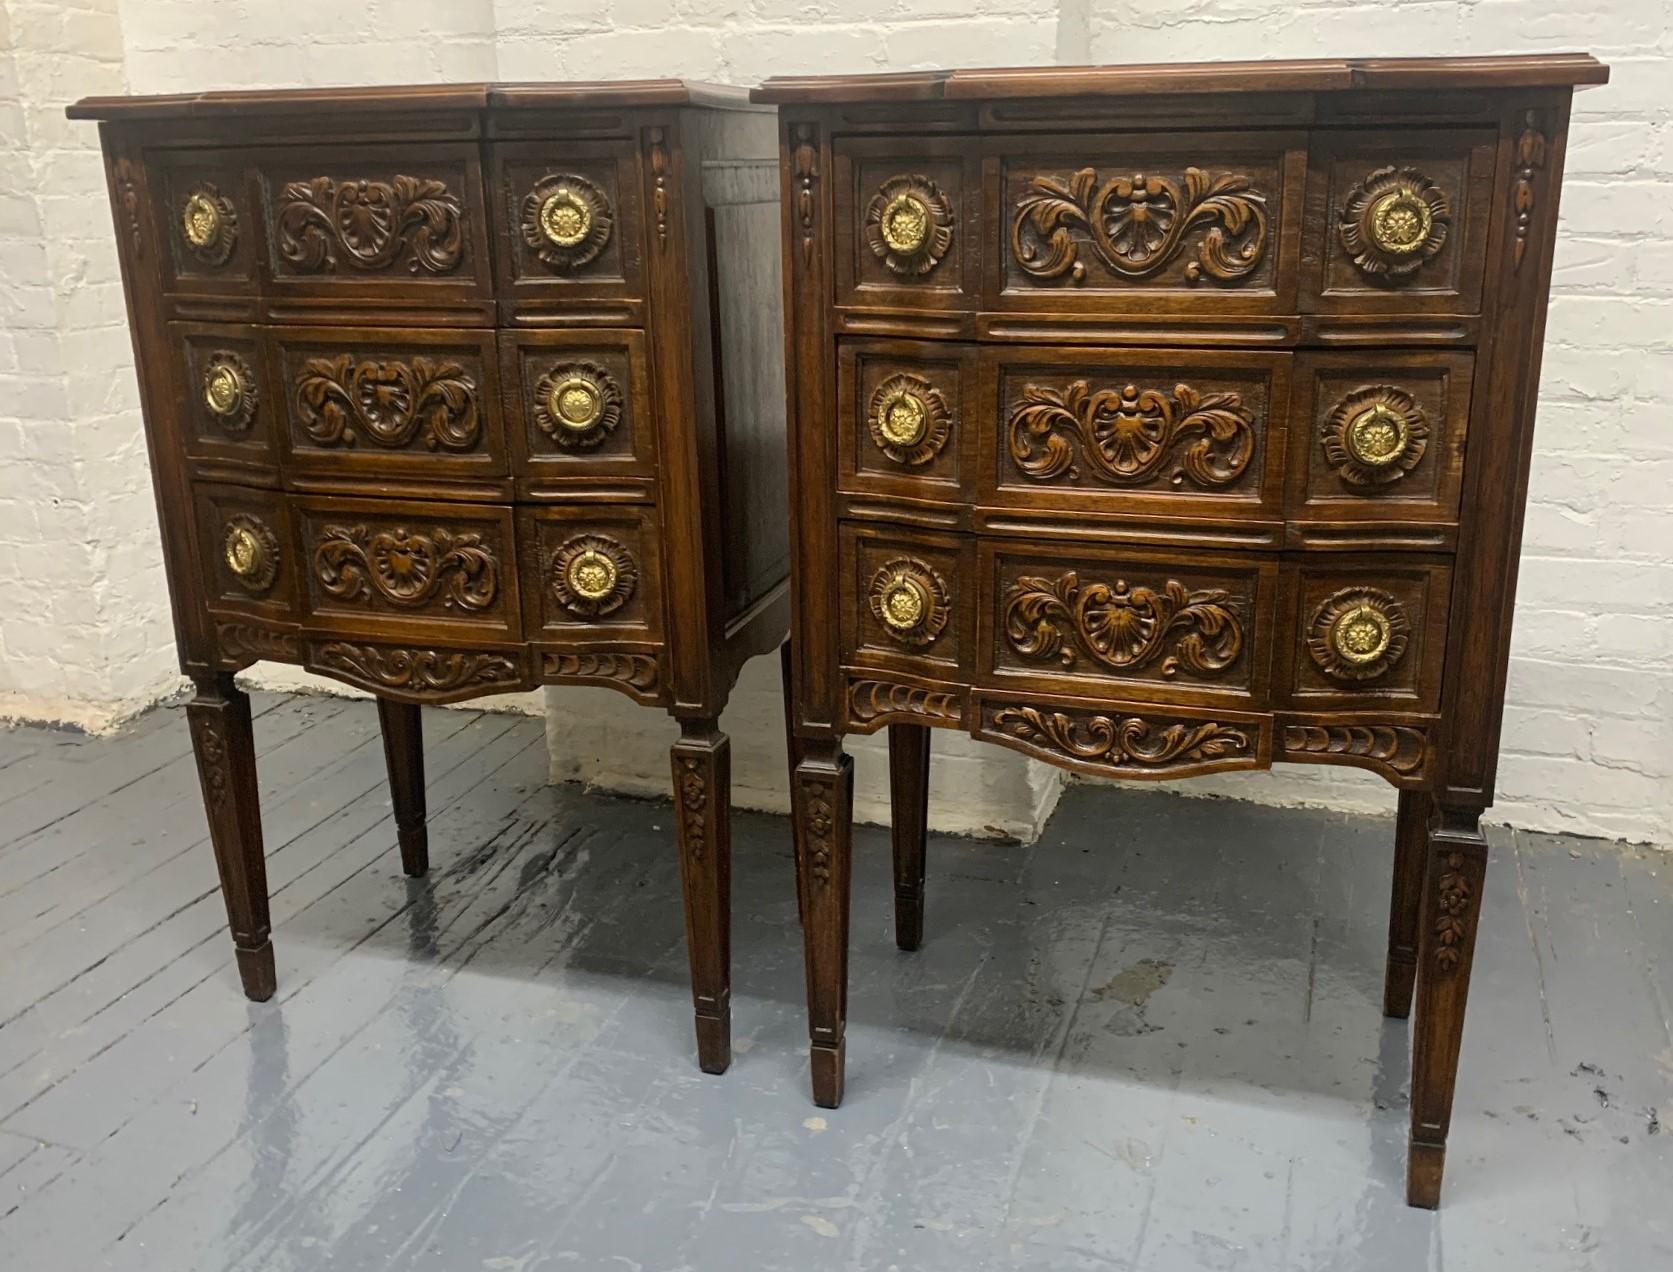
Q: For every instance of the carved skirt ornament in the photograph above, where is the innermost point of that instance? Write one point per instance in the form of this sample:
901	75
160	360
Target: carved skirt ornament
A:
406	568
577	404
415	670
1121	741
324	224
208	225
388	403
1128	436
1393	221
909	225
1124	627
566	219
910	599
1375	435
1136	225
909	420
1357	634
592	575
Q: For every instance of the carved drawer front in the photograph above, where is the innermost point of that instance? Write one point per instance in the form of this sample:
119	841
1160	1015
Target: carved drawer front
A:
1172	432
1397	222
204	216
247	552
568	219
1138	625
228	407
907	217
1367	632
384	222
906	410
592	575
580	403
413	403
1128	740
1147	225
1379	437
409	570
907	600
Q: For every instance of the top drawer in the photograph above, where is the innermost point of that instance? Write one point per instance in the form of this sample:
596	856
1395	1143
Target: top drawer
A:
341	223
1147	225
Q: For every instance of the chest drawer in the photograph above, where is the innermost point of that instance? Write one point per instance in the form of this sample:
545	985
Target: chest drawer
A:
412	403
580	403
408	570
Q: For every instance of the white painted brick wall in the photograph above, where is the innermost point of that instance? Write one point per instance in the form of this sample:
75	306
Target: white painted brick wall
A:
1588	741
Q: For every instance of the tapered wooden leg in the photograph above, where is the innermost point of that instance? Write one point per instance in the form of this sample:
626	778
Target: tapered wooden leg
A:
792	743
1456	863
703	814
1411	841
909	816
822	794
403	752
226	755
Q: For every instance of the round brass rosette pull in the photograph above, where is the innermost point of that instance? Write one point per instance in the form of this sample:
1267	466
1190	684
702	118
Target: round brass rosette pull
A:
910	599
908	420
566	219
1357	634
228	391
1393	221
592	575
909	225
208	225
1375	435
577	404
251	552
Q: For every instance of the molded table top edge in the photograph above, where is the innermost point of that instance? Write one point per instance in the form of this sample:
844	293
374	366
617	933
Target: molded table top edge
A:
414	97
1545	70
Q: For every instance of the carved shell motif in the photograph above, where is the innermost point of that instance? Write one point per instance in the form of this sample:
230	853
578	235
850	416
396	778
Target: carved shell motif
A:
1357	634
323	224
908	419
1124	627
909	598
251	552
407	568
566	219
1375	435
1393	221
577	404
388	402
909	225
592	575
229	391
208	225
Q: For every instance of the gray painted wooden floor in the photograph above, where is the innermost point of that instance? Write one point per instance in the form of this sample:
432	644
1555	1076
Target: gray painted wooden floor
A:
1151	1041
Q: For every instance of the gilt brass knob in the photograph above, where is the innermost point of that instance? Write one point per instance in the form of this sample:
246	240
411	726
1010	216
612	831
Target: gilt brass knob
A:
223	388
591	575
904	603
905	222
1361	634
564	218
251	552
575	403
1377	436
200	219
902	417
1400	223
1393	221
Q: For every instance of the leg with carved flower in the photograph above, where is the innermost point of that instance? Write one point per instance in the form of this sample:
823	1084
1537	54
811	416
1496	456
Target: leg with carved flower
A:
702	816
225	747
1455	867
822	797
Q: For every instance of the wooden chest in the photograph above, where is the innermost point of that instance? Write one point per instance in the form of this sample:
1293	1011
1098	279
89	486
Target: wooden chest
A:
460	390
1161	420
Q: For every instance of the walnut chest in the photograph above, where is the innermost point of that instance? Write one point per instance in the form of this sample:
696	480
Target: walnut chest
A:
1162	420
459	390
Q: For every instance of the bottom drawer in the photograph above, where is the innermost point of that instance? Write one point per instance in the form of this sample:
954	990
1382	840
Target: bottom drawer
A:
1250	631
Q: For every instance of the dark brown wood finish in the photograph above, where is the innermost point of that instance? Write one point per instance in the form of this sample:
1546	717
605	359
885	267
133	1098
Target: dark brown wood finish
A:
1152	445
460	390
